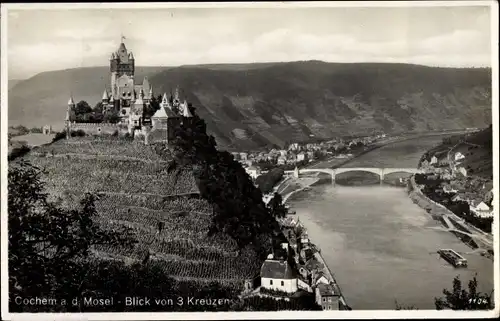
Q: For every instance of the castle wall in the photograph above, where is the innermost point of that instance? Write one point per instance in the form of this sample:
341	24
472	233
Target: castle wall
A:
99	128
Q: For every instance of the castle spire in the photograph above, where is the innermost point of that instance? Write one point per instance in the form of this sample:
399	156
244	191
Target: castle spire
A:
186	111
105	96
176	95
71	104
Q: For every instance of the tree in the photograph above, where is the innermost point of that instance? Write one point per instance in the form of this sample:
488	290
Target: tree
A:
82	107
461	299
48	245
98	108
276	206
111	117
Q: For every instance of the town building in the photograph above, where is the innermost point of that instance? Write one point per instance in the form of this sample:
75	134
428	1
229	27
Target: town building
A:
459	156
301	157
327	297
482	210
253	171
278	275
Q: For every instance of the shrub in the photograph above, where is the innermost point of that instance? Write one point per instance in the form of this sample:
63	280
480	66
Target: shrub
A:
267	181
59	136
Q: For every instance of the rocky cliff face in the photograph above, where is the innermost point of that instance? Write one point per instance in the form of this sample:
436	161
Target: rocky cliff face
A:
249	106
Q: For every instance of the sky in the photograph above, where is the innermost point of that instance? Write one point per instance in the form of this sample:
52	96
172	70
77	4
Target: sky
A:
47	39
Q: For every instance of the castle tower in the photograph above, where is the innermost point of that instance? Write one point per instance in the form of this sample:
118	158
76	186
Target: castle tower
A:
122	63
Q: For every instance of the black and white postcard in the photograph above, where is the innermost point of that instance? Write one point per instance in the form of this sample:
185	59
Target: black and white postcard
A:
249	160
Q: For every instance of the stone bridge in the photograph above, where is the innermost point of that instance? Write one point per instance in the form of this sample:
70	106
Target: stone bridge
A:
333	172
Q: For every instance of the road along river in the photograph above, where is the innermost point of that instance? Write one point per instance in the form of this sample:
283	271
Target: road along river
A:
379	244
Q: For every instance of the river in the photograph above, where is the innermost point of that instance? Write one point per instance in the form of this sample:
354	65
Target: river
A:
379	244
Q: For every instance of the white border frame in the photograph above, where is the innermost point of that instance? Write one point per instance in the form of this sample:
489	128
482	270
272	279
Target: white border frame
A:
363	314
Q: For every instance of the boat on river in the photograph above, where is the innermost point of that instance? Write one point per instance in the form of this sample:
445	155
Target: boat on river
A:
453	257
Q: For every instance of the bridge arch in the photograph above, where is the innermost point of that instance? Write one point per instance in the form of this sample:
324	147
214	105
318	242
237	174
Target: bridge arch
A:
381	172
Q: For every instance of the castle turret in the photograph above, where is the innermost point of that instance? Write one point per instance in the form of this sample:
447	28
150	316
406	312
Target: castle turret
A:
176	95
69	112
186	112
105	96
71	106
164	101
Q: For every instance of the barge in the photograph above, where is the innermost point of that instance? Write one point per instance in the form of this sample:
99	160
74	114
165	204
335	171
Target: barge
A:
453	257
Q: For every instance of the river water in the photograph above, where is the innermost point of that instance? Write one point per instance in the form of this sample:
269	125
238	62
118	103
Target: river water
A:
380	246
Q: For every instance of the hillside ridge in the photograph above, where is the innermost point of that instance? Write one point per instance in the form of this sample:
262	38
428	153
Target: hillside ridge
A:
263	104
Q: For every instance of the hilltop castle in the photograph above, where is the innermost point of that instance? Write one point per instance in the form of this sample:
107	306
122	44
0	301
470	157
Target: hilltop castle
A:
129	101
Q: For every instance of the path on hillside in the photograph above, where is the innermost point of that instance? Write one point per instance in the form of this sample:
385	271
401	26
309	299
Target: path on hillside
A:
104	156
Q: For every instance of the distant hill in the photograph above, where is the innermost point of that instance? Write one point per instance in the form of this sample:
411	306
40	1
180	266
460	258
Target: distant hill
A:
252	105
478	151
13	82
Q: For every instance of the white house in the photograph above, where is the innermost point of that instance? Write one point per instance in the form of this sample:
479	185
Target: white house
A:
482	210
301	156
281	160
482	207
278	276
253	171
459	156
243	156
434	160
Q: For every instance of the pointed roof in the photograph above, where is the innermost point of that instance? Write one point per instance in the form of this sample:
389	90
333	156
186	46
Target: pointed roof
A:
131	55
70	101
186	112
164	112
164	99
105	95
275	269
122	47
112	56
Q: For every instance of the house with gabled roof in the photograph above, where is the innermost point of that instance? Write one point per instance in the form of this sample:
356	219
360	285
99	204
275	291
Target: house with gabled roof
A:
327	296
278	275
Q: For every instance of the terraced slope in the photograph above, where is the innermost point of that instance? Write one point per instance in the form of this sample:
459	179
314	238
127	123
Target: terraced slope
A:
135	189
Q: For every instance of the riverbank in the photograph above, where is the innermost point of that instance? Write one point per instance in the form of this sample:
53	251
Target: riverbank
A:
307	183
458	226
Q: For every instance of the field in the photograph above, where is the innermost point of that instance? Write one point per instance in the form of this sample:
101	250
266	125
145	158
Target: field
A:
34	139
135	189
